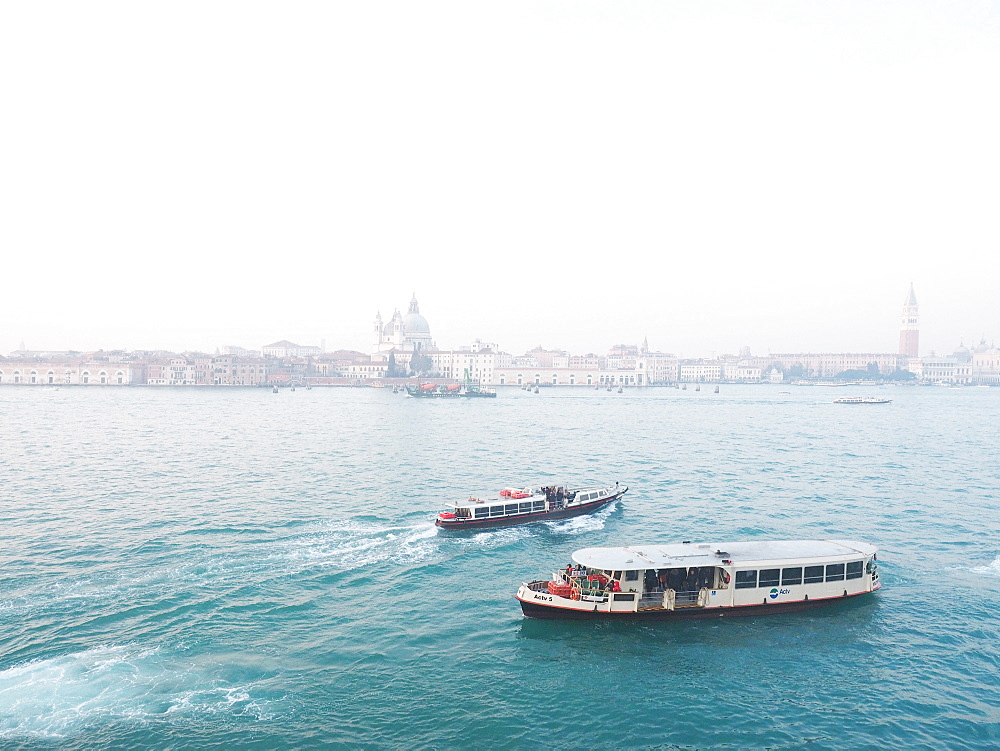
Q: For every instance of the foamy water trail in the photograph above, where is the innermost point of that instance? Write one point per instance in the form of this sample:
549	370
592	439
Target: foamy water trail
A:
583	524
349	545
55	697
990	569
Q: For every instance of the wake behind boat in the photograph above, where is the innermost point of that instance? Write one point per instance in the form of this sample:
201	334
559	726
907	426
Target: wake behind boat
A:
518	506
686	580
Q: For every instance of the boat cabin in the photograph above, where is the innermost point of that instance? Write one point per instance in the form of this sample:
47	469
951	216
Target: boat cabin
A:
531	500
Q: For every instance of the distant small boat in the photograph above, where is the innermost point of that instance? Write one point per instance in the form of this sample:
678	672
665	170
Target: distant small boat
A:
861	400
621	389
697	388
684	387
274	390
536	389
716	390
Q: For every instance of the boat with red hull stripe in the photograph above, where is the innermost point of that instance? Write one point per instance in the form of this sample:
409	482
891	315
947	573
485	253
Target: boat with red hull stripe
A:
703	580
531	504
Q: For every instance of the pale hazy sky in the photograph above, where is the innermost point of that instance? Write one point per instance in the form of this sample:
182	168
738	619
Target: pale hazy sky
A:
187	175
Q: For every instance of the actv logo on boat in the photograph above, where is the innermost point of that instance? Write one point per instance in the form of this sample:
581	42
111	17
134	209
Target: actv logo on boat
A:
774	594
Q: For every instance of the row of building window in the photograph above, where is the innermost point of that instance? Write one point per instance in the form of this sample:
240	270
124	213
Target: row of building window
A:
50	377
774	577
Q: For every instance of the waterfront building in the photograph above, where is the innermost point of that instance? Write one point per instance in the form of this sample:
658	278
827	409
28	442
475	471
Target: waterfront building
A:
831	364
240	351
336	364
624	365
539	357
228	370
285	348
477	362
937	368
699	371
909	333
65	372
367	369
985	364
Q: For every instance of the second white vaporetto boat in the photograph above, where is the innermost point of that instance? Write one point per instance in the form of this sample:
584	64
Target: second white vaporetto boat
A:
702	580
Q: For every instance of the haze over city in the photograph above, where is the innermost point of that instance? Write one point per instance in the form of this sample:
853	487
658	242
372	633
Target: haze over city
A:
573	175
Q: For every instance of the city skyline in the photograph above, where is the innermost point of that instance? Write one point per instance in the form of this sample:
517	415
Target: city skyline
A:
367	349
771	176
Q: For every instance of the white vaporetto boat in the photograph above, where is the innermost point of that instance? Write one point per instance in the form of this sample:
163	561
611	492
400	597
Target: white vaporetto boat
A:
861	400
703	580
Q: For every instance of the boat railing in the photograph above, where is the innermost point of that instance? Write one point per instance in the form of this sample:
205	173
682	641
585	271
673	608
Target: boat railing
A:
673	598
538	586
685	598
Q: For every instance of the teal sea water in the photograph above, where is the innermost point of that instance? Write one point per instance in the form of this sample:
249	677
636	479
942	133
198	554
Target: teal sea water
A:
188	568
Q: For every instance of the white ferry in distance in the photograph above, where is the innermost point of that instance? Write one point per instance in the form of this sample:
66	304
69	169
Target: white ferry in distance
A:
701	580
531	504
861	400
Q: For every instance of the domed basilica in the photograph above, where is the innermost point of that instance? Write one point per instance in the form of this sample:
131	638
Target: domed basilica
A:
409	333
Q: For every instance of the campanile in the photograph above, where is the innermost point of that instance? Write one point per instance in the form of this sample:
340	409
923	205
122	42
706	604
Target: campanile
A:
909	333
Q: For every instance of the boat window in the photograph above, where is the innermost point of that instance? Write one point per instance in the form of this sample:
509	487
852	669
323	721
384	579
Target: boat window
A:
791	576
496	511
769	577
510	508
539	505
854	569
525	508
631	576
835	572
746	579
624	596
814	574
481	512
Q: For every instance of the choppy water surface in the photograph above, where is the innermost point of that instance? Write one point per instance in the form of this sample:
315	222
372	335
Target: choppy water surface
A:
198	568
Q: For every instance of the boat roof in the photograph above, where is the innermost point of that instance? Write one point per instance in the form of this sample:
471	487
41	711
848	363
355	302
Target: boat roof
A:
677	555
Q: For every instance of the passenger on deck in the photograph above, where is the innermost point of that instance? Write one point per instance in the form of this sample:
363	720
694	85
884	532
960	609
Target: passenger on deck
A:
675	578
704	577
650	580
691	582
615	586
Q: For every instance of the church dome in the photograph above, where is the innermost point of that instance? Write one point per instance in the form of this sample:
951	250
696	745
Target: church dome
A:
416	324
962	354
413	322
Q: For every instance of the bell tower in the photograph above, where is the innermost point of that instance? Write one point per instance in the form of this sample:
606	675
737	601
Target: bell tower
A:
909	333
